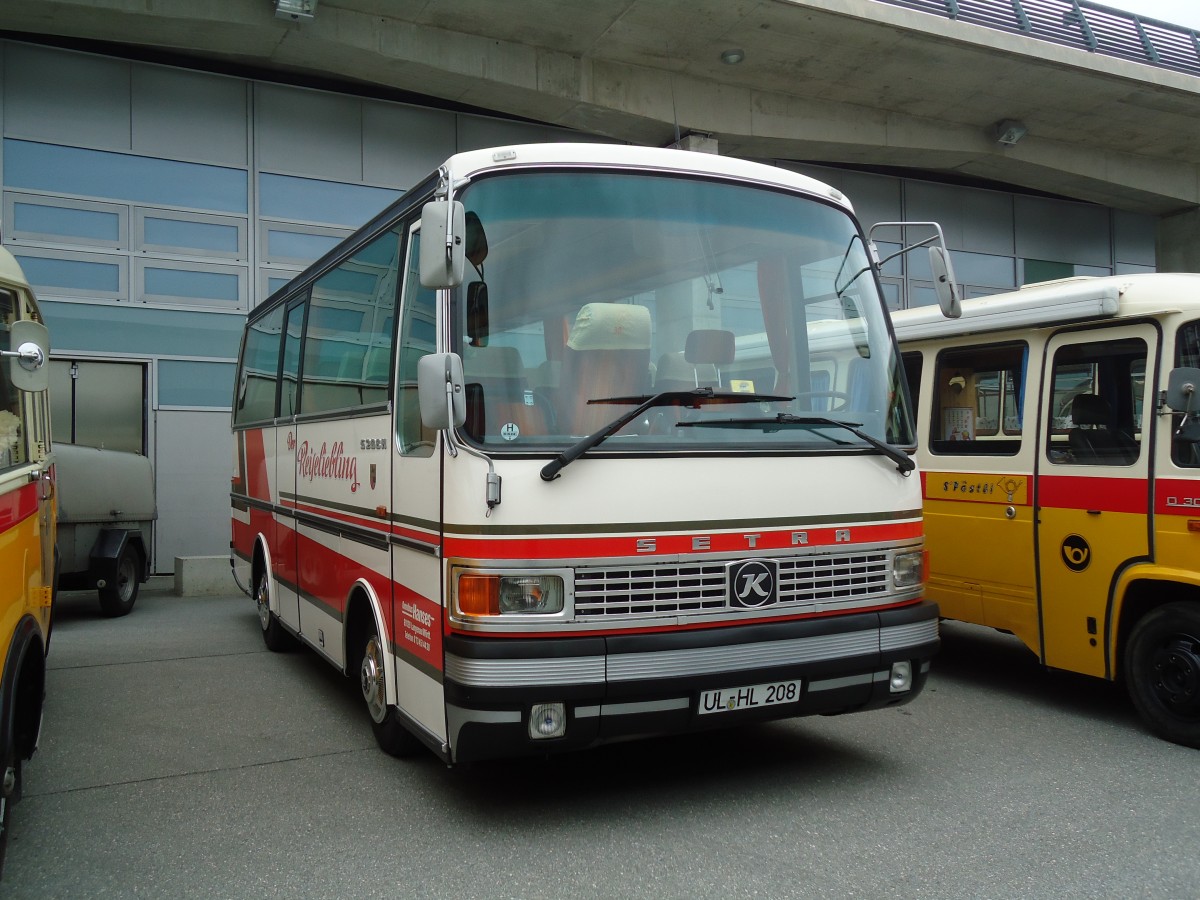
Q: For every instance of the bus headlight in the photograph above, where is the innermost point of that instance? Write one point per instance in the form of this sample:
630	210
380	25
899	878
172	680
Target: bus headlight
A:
907	569
502	595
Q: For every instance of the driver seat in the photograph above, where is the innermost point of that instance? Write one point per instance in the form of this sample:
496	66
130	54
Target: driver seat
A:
607	355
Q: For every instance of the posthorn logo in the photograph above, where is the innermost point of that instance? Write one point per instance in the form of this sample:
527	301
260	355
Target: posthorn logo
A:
752	583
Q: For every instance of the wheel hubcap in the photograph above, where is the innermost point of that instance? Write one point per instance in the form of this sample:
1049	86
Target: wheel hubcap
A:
125	579
371	679
261	601
1176	670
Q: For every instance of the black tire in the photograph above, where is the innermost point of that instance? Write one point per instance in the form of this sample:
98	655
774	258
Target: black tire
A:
117	599
275	636
1162	671
10	792
393	738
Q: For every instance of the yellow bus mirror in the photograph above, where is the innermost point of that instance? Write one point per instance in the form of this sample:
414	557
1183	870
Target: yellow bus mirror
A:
28	368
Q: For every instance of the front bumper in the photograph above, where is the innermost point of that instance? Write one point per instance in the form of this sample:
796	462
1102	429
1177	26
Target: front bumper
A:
620	686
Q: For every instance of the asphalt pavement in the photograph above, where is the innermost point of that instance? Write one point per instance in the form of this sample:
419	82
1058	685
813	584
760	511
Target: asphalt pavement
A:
180	758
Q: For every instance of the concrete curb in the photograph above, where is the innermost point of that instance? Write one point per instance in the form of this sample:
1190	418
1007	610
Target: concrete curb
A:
199	575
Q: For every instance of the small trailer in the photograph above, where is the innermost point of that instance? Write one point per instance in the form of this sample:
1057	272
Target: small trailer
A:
106	514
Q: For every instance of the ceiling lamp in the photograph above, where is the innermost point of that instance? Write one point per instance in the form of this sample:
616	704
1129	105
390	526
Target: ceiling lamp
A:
295	10
733	56
1008	131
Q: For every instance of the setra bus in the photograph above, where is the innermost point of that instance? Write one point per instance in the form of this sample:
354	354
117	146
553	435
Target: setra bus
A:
1059	434
27	529
498	459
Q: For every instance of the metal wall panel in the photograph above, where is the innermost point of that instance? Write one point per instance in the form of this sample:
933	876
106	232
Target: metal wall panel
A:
66	98
189	115
309	133
192	464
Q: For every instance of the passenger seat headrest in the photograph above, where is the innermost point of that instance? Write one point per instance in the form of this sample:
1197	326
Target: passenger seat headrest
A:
709	345
673	367
610	326
492	362
1089	409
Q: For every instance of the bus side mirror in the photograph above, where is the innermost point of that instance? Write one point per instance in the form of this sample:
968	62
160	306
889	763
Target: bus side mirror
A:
28	358
443	244
441	392
1182	385
944	285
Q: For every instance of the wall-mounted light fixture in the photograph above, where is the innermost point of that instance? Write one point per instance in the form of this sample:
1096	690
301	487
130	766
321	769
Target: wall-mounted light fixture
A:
732	56
295	10
1007	131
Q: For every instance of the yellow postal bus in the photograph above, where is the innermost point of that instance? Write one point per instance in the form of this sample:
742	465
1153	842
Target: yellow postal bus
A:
1059	431
26	528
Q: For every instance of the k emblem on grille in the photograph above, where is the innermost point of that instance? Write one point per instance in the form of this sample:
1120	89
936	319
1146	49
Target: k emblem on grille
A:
753	583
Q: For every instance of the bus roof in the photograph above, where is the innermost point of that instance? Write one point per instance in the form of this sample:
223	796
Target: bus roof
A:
473	162
10	272
1056	302
13	278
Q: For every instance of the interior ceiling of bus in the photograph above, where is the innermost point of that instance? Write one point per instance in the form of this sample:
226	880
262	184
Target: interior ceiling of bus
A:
565	263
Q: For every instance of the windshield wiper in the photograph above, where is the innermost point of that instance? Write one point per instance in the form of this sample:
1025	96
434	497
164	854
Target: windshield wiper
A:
693	399
904	463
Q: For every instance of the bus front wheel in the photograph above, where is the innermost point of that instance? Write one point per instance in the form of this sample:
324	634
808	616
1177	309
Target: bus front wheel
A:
274	635
390	732
1162	671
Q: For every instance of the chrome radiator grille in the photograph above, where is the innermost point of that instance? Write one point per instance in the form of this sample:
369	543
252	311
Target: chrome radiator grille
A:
682	589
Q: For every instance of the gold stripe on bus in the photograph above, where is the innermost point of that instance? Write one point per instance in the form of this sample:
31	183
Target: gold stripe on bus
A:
971	487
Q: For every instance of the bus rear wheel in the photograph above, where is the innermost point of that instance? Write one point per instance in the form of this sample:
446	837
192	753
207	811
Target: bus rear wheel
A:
1162	671
390	733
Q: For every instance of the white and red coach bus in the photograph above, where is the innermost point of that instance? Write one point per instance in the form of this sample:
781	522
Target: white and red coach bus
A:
575	443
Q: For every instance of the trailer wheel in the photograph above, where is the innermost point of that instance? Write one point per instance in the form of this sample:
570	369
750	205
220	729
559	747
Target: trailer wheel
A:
1162	671
274	635
118	599
390	733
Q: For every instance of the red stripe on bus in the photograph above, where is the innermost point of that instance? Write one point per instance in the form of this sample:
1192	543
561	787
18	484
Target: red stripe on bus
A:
1177	497
549	547
17	506
1124	495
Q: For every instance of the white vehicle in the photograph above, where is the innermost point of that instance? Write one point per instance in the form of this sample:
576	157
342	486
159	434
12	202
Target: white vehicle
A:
106	514
606	491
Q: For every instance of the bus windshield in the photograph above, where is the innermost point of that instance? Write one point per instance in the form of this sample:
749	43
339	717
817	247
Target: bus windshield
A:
589	292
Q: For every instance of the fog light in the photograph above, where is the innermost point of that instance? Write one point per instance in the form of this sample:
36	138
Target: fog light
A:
547	720
901	679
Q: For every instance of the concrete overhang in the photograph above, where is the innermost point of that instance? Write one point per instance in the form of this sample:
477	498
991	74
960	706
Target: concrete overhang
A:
838	81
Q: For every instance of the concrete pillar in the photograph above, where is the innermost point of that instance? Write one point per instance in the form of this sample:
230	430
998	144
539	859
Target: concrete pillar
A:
1177	242
700	143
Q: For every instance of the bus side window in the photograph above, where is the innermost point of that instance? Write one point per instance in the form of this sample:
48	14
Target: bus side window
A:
1185	452
913	363
977	401
11	437
259	373
348	336
1095	414
418	337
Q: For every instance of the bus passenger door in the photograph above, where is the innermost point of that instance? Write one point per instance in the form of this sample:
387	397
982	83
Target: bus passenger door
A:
284	559
416	627
977	491
1092	494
